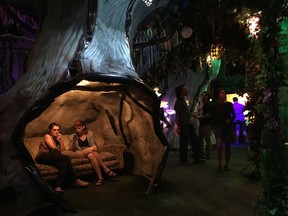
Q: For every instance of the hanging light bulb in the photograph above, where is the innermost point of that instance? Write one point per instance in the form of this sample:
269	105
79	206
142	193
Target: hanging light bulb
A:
254	26
214	53
148	2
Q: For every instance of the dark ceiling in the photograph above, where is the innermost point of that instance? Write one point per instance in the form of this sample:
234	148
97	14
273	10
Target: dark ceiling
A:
212	21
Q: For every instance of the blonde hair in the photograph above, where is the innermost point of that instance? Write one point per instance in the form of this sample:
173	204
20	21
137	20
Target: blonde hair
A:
80	122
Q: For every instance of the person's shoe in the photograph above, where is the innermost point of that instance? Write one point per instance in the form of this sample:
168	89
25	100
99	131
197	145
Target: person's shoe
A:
183	161
80	184
226	168
59	190
99	182
110	173
199	161
219	168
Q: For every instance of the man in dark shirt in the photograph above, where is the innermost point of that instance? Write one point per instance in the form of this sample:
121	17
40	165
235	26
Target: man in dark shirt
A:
185	128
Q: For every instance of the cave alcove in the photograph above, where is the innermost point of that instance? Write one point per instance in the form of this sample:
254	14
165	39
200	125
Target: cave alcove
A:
122	109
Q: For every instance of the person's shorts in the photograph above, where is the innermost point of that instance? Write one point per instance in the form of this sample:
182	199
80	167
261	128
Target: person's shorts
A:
225	132
240	126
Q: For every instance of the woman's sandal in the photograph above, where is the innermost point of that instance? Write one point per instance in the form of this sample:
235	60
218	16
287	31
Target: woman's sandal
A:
99	182
59	190
110	173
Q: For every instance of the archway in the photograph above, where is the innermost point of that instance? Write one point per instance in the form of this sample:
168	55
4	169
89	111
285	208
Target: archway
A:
122	110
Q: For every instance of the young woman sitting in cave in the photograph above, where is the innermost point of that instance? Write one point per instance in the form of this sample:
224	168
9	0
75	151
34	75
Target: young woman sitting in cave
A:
50	154
83	141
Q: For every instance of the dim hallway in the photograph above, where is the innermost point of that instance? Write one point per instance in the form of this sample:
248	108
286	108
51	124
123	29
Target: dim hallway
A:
185	190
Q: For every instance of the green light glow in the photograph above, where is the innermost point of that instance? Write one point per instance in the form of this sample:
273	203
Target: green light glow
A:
283	36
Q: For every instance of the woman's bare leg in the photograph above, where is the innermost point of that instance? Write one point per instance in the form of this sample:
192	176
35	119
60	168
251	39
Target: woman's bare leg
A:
227	155
95	165
100	162
219	143
98	159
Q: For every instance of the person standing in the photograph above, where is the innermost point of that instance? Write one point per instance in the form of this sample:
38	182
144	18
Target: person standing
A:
223	116
205	126
50	154
184	124
239	121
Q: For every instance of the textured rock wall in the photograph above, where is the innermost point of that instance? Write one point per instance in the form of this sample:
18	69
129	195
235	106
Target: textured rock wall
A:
93	107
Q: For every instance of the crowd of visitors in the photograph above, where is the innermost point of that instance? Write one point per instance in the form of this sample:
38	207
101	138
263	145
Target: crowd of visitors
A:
219	117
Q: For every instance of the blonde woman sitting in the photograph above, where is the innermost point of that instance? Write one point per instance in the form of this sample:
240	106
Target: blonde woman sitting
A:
83	142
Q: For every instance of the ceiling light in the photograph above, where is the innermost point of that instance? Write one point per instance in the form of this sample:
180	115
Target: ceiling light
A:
148	2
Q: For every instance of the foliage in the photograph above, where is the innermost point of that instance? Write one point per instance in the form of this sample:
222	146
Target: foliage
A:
232	83
264	78
181	58
265	75
212	23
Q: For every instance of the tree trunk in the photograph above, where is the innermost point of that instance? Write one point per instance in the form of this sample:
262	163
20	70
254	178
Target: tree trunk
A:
55	46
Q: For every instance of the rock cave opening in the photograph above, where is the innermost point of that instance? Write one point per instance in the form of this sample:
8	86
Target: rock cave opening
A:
122	110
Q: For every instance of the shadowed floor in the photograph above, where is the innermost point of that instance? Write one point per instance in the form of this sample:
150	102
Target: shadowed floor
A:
184	190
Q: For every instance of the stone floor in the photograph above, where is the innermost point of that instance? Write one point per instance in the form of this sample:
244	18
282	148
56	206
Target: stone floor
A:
184	190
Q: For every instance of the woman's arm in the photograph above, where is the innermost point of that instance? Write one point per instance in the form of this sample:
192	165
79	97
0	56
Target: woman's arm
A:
91	140
233	115
74	142
50	142
177	129
61	142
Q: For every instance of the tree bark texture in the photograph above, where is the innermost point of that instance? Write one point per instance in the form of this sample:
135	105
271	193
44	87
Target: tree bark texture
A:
56	44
